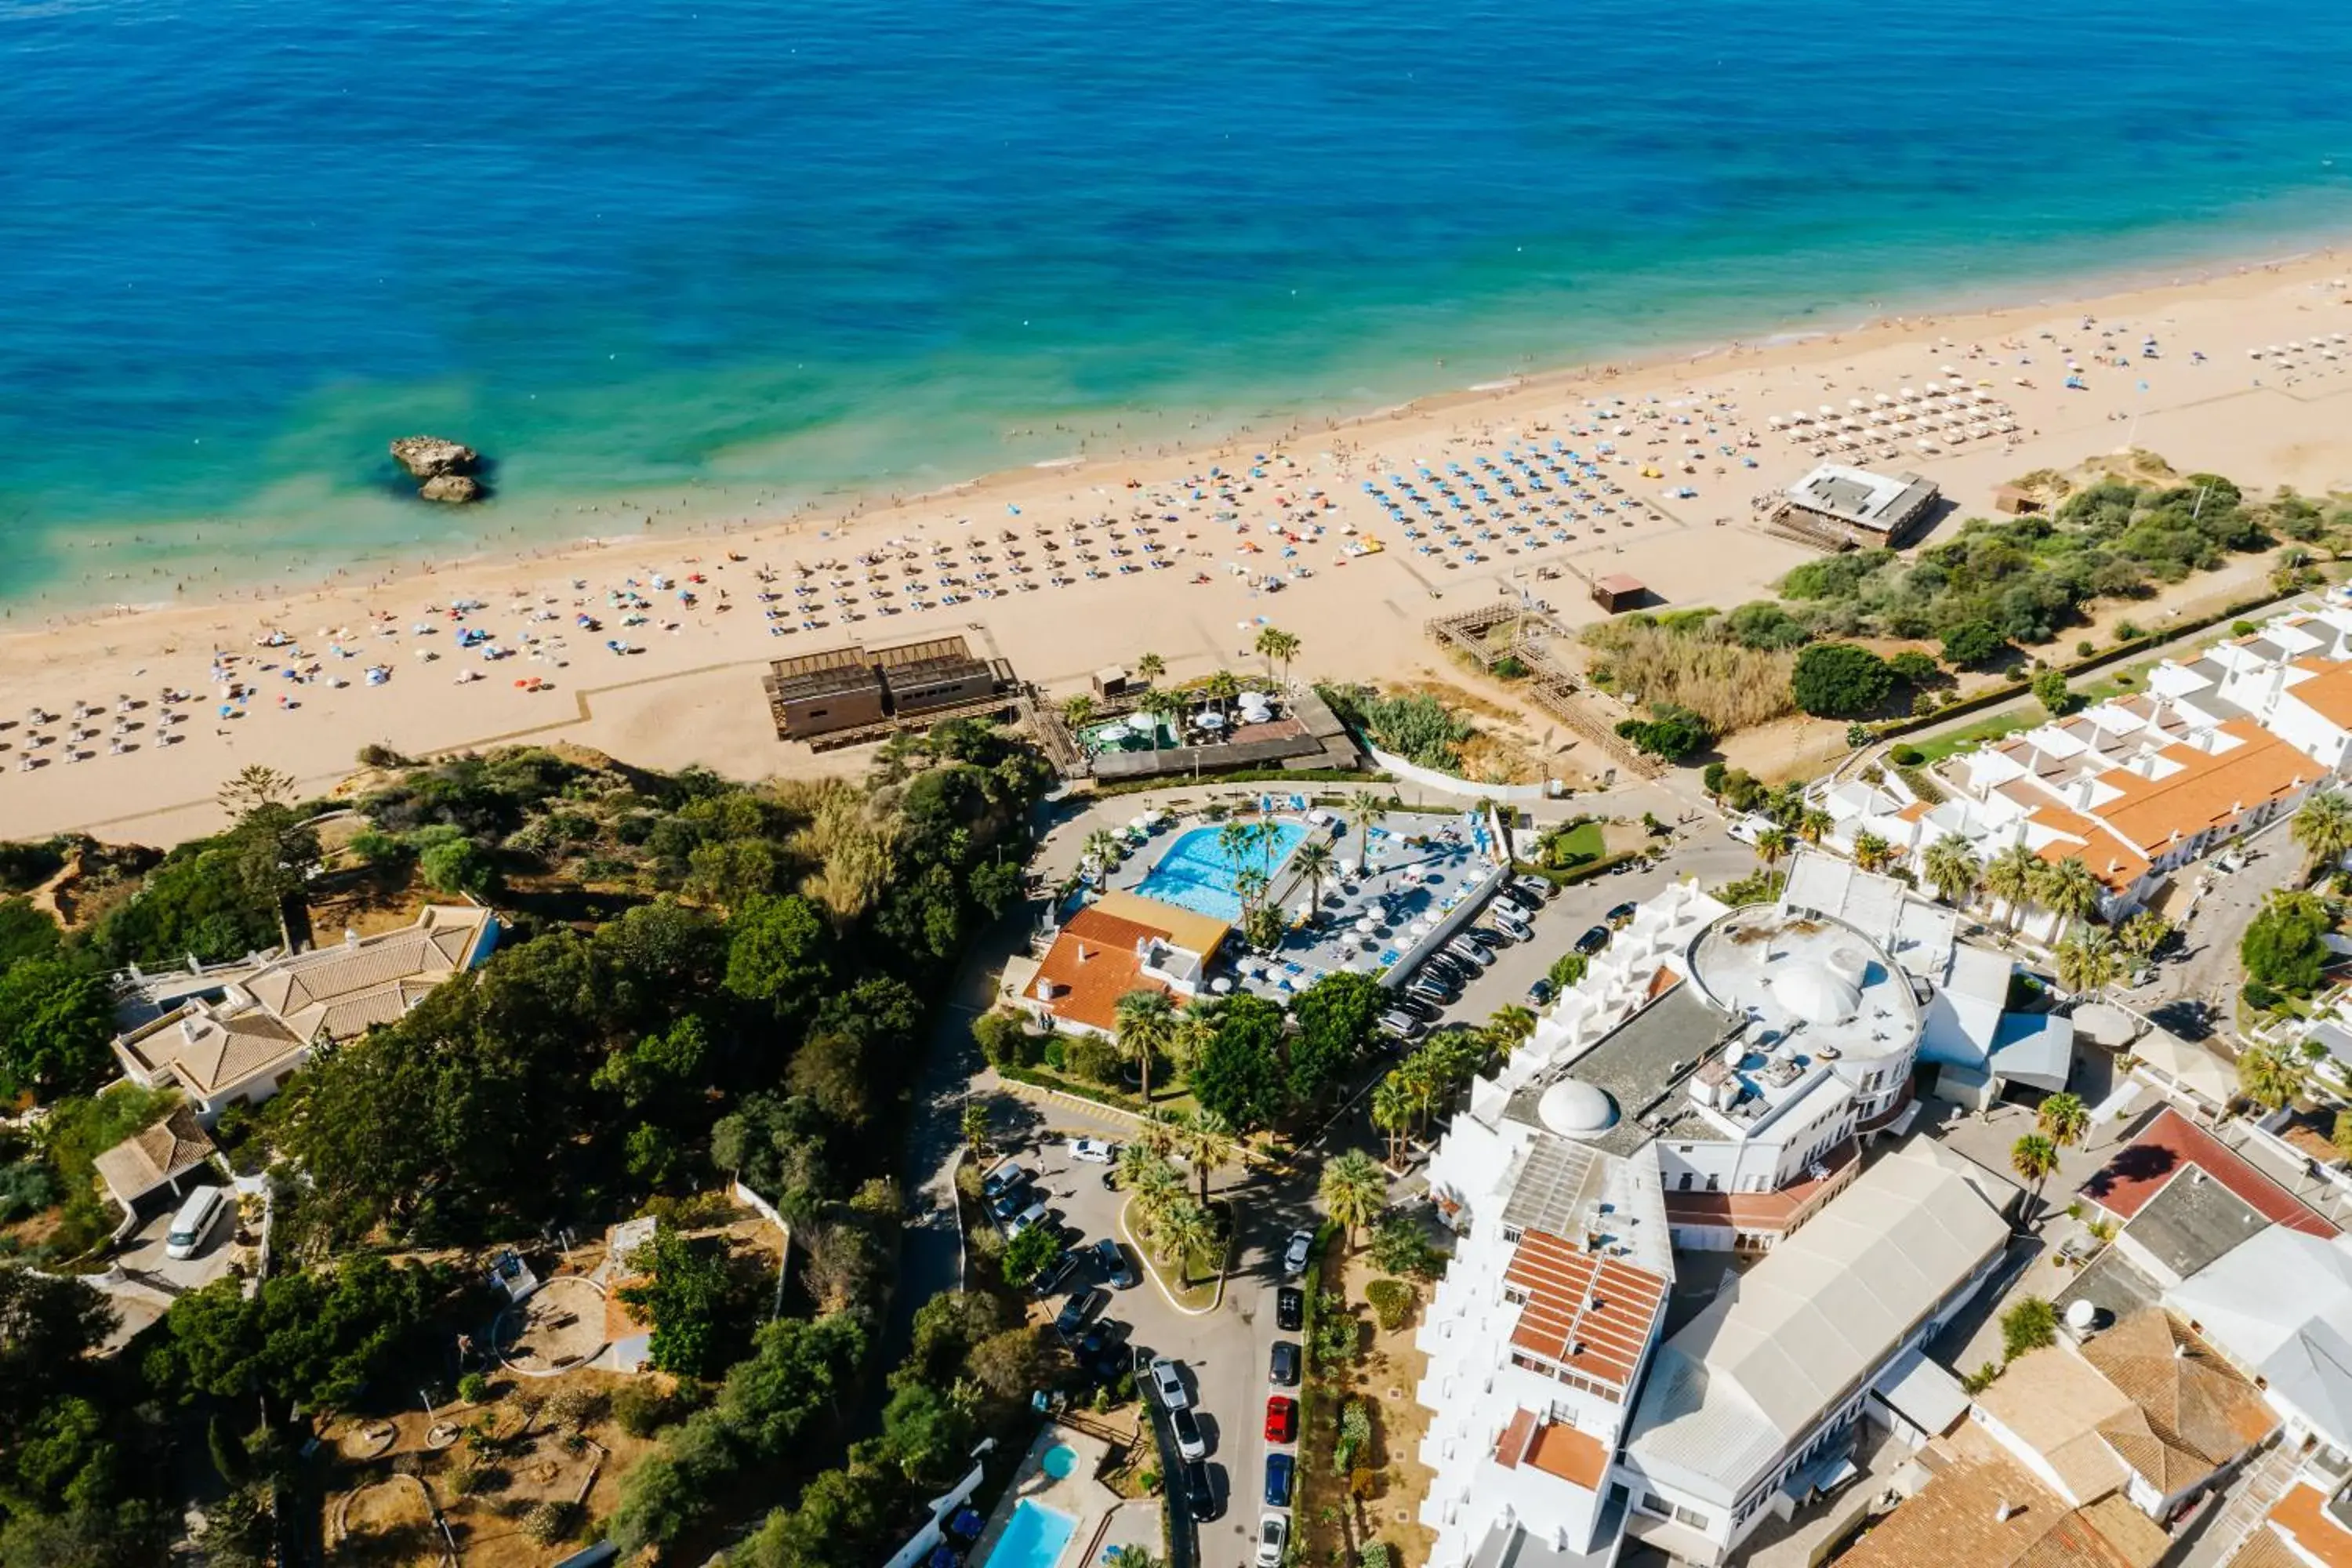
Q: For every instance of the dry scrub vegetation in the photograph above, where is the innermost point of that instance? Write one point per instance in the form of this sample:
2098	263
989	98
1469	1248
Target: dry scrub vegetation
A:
1730	687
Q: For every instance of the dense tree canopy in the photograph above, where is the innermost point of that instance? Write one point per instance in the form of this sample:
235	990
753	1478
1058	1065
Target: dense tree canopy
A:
1840	681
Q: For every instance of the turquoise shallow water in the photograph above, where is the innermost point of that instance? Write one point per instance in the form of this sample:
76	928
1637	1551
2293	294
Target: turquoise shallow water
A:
749	254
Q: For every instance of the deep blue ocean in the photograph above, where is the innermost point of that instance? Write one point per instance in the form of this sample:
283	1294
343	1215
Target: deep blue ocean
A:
751	251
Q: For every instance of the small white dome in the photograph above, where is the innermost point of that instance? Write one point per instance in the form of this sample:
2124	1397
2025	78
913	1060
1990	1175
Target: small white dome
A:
1576	1108
1809	992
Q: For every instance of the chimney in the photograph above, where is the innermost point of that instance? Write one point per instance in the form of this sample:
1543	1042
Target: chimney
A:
1084	952
2005	1511
351	938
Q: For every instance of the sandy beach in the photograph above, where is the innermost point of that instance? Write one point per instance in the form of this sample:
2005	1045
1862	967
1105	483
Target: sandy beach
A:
123	723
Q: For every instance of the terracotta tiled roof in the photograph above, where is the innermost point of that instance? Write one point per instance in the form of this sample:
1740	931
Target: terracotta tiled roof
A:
2302	1515
1561	1450
145	1161
1775	1211
2328	692
2172	1144
2056	1404
2211	789
2265	1547
1957	1520
1588	1313
2198	1409
1092	963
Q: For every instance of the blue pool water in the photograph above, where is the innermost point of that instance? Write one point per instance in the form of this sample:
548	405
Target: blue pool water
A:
1196	873
732	255
1033	1537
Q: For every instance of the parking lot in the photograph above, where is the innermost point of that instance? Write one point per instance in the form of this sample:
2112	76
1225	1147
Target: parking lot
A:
1224	1355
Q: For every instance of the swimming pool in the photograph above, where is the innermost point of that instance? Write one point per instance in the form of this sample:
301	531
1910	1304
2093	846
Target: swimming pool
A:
1033	1537
1197	873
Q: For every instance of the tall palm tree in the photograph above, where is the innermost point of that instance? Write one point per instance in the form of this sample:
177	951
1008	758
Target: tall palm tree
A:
2034	1158
1953	869
2086	961
1165	708
1416	1080
2323	825
1103	847
1871	852
1183	1229
1314	861
2064	1119
1354	1190
2267	1076
1510	1027
2069	889
2014	876
1392	1112
1139	1165
973	1124
1077	709
1196	1025
1772	846
1365	809
1277	645
1814	824
1150	668
2144	933
1221	688
1146	1020
1155	1134
1206	1139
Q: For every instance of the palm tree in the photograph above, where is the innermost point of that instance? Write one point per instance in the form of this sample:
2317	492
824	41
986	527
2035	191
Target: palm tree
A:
1314	861
1221	688
1137	1165
2064	1119
1277	645
2323	828
2086	961
1953	869
1871	852
974	1127
1510	1025
1150	668
1077	709
2144	933
1103	847
2070	890
1392	1112
1354	1190
1206	1139
1164	707
2267	1076
1814	824
1195	1027
2013	876
1772	846
1155	1134
1146	1020
1364	809
1417	1083
1183	1229
1131	1557
2034	1158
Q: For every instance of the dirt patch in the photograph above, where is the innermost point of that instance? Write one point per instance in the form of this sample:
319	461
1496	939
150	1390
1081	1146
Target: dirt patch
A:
563	1324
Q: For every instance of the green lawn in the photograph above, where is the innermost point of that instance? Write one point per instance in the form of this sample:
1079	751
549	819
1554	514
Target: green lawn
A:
1579	844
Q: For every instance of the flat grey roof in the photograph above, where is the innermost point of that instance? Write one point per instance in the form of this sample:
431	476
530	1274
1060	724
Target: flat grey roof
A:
2192	1220
2114	1284
1637	1065
1881	502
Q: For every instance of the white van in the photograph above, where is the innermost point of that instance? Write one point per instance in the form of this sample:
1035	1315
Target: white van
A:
195	1218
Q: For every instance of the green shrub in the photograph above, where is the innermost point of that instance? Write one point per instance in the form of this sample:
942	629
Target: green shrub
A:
1391	1302
473	1389
1839	680
1972	645
1907	756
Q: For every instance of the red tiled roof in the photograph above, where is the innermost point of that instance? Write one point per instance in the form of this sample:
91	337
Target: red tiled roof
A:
2171	1144
2211	789
1561	1450
2303	1519
2328	692
1584	1312
1778	1211
1092	963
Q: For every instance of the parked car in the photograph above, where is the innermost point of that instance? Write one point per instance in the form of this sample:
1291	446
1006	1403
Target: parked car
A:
1400	1026
1003	1179
1113	1259
1293	1255
1187	1427
1281	1418
1006	1205
1459	971
1539	994
1289	1308
1509	926
1201	1492
1486	938
1094	1151
1430	994
1049	1278
1415	1008
1543	889
1273	1540
1082	1305
1283	1366
1512	893
1035	1214
1168	1383
1471	953
1098	1350
1619	914
1277	1480
1593	941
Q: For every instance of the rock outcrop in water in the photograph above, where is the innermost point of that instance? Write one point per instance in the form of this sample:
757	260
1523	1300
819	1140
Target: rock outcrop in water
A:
447	467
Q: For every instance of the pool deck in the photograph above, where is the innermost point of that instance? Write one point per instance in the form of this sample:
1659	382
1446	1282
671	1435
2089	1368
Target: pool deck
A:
1077	1494
1407	882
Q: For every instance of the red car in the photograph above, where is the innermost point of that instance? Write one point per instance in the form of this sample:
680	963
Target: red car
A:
1281	1418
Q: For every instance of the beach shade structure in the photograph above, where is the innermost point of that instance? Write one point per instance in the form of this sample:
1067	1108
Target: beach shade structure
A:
1221	986
1210	718
1348	868
1367	926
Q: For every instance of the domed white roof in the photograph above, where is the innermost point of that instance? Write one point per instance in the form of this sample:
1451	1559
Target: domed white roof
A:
1808	991
1576	1108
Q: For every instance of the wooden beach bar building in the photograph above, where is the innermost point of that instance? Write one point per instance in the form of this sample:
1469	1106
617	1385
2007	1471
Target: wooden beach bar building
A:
840	693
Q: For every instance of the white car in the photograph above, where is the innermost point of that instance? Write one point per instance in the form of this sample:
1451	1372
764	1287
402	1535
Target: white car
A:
1093	1151
1273	1535
1293	1257
1169	1383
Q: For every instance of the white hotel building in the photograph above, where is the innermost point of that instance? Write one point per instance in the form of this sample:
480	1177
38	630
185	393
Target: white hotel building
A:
1711	1086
